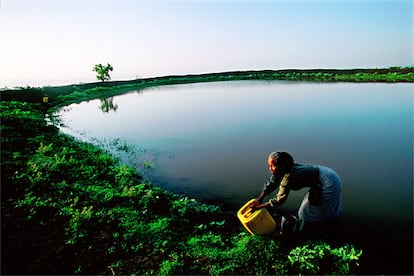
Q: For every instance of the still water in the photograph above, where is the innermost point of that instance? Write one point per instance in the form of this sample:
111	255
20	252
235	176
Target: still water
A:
211	141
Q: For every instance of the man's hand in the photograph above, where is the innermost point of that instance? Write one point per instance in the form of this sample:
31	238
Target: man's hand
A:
259	199
259	206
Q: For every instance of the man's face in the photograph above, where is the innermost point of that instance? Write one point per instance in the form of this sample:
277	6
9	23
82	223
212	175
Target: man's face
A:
272	165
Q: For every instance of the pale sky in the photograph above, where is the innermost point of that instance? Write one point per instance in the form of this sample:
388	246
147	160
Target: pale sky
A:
57	42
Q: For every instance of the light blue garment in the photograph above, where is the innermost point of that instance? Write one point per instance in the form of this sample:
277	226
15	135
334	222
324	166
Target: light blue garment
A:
330	205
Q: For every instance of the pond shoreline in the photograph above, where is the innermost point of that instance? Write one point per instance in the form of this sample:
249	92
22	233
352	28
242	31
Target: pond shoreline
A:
66	94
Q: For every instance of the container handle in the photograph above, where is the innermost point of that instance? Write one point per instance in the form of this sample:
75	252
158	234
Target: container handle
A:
248	212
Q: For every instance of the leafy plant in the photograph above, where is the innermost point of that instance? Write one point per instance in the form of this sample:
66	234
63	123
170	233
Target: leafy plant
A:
321	258
256	255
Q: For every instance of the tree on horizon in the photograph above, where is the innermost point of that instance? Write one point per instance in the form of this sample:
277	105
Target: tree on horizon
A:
102	72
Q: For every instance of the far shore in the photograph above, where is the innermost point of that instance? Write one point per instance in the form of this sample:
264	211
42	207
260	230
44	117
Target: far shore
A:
66	94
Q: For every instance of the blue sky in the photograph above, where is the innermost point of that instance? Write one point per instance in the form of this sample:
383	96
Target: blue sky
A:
51	42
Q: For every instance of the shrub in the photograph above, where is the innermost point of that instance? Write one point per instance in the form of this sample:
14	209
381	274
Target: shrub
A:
320	258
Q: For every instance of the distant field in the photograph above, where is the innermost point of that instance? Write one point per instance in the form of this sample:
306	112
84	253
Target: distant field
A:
58	95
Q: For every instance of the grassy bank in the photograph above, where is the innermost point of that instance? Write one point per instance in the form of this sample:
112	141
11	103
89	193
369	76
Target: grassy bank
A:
70	208
62	95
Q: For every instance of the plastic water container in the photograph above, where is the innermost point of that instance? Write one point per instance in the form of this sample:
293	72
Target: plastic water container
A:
257	222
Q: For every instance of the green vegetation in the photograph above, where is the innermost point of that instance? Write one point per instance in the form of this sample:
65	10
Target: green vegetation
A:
313	258
102	72
64	95
72	208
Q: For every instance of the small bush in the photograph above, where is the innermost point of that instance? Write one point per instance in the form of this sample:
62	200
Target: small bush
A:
320	258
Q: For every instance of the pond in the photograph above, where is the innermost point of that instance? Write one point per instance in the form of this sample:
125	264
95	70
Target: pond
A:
211	141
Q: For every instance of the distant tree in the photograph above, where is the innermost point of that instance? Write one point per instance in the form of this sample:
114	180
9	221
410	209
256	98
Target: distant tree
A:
102	72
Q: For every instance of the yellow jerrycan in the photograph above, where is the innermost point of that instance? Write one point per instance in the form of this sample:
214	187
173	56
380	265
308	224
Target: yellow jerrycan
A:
257	222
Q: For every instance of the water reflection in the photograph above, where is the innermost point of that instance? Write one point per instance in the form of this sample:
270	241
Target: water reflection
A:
108	105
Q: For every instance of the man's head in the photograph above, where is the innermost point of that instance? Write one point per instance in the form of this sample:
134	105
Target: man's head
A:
279	162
